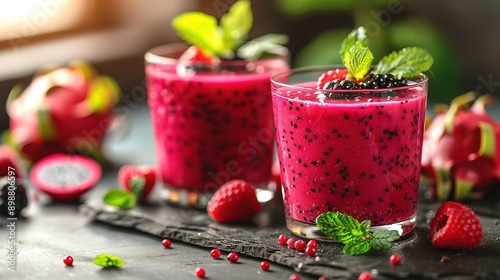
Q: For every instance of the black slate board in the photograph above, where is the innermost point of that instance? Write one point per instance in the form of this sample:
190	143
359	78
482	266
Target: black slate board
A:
259	239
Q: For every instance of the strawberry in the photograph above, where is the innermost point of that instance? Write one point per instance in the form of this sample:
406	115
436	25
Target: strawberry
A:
9	161
197	55
234	201
137	179
330	76
455	226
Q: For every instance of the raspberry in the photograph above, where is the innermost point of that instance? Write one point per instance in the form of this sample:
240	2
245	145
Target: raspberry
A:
455	226
331	75
235	201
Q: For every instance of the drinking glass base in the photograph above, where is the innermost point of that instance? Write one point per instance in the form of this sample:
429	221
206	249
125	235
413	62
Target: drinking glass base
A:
310	231
196	199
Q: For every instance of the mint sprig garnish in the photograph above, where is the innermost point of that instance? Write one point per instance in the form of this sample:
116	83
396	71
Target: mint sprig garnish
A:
106	260
357	57
357	237
227	38
203	31
405	63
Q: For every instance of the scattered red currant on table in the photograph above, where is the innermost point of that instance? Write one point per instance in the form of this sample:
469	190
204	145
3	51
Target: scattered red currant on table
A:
294	277
365	276
311	251
300	245
166	243
282	239
264	265
199	272
312	243
68	260
215	253
291	242
232	257
395	259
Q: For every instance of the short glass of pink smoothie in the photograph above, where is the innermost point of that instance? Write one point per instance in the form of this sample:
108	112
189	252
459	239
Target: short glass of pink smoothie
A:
210	124
357	153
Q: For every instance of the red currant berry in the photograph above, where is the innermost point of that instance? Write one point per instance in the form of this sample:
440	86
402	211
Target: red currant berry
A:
68	260
232	257
294	277
311	251
365	276
395	259
322	278
282	239
215	253
264	265
166	243
300	245
312	243
290	242
199	272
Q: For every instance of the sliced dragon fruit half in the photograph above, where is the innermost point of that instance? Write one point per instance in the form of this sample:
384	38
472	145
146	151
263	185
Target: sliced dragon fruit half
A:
65	177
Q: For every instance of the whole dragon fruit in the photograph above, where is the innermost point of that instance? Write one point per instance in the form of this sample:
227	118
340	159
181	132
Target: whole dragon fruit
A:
64	110
461	150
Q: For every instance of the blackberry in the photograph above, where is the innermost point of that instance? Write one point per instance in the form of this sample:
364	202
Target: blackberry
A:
340	84
21	199
383	81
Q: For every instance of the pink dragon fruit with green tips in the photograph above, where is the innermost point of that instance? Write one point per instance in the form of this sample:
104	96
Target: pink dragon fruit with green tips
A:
461	150
63	110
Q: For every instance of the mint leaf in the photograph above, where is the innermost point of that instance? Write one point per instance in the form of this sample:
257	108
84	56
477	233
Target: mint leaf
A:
357	35
266	44
365	226
106	260
120	198
358	60
357	247
137	185
383	239
236	24
339	227
201	30
356	236
406	63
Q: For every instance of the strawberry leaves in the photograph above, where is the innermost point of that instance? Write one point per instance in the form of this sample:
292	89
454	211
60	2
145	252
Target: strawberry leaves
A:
356	236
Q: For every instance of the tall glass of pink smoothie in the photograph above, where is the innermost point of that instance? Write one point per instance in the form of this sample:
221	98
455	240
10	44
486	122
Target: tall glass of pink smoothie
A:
357	152
211	124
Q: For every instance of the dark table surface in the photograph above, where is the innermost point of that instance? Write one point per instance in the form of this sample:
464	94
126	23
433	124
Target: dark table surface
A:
52	230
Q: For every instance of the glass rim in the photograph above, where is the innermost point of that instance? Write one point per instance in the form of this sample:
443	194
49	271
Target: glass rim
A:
420	80
157	55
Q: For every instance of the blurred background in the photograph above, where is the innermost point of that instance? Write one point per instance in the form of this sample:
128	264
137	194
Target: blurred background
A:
113	35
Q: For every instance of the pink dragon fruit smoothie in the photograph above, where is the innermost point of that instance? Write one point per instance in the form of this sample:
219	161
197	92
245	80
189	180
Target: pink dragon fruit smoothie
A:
357	153
210	125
